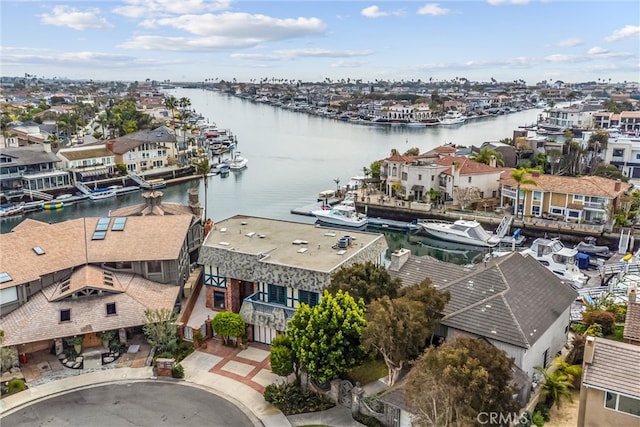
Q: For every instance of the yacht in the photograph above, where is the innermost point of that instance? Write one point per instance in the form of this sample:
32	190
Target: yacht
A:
558	259
452	118
343	214
238	162
460	231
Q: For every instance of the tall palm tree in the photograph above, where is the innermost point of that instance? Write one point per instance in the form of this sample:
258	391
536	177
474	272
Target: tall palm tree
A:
520	177
170	104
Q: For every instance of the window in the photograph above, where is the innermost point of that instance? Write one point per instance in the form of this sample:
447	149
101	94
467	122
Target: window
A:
419	177
218	299
557	211
309	298
618	152
469	180
154	266
65	315
578	198
405	176
111	308
277	294
621	403
638	156
535	210
433	178
537	196
573	214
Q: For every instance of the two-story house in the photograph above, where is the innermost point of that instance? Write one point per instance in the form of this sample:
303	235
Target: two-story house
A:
263	268
591	199
461	174
23	169
88	163
88	275
144	150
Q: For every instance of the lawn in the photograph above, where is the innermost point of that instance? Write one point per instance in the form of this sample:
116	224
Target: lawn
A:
368	372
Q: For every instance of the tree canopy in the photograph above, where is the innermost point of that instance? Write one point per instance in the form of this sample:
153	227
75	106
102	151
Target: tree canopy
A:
160	329
326	338
485	156
451	384
283	359
367	281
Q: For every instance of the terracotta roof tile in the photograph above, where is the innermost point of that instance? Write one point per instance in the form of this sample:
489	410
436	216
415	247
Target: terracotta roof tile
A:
585	185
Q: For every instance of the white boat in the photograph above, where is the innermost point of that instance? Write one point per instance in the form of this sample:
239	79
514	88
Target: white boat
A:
219	169
10	210
460	231
102	193
343	214
452	118
559	259
416	124
238	162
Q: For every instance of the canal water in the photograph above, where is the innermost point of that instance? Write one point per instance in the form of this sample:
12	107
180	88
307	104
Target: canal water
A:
292	157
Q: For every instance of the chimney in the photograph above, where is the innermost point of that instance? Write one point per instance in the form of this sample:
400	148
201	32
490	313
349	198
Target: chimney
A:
535	173
398	258
632	295
110	144
493	162
589	350
618	185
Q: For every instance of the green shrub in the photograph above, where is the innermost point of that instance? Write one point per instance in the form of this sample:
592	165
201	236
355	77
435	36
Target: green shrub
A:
291	399
538	419
185	348
228	324
544	410
604	318
579	328
368	420
16	385
177	371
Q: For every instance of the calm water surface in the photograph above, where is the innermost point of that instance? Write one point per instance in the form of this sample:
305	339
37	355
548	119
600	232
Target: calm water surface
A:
292	156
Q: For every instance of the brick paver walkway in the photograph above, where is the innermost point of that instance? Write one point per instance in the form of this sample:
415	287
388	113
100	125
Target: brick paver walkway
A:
233	365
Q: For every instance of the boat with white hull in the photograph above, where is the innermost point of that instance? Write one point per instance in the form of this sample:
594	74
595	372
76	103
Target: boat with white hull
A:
343	214
452	118
460	231
238	162
102	194
560	260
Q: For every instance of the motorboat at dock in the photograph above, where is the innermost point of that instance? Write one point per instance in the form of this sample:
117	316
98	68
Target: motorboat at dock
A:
560	260
343	214
460	231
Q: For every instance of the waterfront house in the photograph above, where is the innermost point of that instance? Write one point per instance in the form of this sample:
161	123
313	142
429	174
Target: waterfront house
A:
28	133
30	168
263	268
610	392
627	121
462	175
88	163
513	302
590	199
624	153
144	150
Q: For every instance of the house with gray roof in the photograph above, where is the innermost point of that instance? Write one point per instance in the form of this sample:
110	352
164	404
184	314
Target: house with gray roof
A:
513	302
610	392
145	149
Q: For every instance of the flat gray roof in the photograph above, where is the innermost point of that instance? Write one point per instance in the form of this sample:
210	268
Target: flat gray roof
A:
290	243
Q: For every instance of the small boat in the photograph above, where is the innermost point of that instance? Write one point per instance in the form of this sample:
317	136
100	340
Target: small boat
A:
53	205
588	246
10	210
460	231
560	260
238	162
452	118
102	194
154	184
343	214
219	168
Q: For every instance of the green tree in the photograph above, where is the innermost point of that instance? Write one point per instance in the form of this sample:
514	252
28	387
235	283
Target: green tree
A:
597	144
555	388
520	177
451	384
367	281
171	103
414	151
283	359
229	325
375	168
485	155
326	338
609	171
160	329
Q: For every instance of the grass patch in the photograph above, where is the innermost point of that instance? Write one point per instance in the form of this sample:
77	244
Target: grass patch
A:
617	333
370	371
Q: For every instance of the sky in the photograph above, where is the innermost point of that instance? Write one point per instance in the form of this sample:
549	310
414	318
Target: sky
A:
208	40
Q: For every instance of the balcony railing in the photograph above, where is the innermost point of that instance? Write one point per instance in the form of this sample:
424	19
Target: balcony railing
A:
268	307
591	205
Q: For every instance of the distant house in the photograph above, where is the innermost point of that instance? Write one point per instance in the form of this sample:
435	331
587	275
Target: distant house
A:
590	199
624	153
610	392
514	302
30	168
263	268
144	150
88	163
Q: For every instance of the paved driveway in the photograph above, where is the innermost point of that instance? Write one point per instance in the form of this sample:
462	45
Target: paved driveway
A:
132	404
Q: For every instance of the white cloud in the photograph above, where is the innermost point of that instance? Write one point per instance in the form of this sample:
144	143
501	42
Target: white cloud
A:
186	44
597	51
46	57
143	8
559	58
626	32
291	54
65	16
373	12
348	64
433	9
500	2
570	42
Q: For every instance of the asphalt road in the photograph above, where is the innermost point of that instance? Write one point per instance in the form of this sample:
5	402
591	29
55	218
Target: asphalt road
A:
133	404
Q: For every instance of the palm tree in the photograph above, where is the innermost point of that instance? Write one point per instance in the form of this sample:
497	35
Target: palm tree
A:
520	177
485	156
556	387
337	181
170	104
